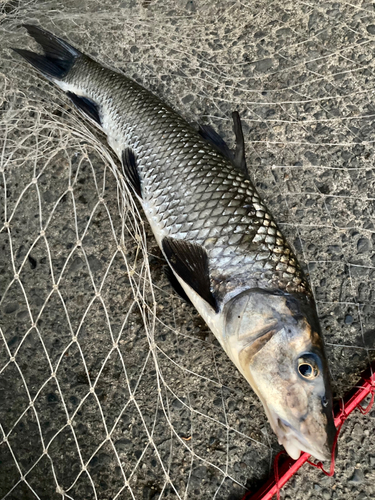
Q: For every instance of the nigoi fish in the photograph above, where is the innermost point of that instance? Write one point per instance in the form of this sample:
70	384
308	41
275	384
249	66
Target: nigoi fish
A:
225	251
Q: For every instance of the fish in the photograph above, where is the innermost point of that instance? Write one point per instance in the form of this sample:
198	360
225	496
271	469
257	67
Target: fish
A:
225	252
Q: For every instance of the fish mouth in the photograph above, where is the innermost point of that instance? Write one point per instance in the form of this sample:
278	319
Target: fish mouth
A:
296	443
294	440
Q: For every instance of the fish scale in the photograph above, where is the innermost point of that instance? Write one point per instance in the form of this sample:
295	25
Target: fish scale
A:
226	253
190	190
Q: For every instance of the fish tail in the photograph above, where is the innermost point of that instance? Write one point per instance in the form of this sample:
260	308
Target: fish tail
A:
59	56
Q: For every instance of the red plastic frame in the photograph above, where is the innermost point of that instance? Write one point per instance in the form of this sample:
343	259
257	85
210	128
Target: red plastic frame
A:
289	466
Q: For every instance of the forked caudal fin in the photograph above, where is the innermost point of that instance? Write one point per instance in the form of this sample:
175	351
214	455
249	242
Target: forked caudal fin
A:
58	59
59	56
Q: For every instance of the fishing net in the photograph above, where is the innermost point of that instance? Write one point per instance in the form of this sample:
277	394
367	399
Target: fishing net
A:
110	386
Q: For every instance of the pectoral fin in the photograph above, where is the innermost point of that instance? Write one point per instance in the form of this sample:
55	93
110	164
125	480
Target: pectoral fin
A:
175	284
190	262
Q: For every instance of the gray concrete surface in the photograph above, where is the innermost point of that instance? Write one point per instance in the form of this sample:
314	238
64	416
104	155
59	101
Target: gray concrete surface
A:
113	388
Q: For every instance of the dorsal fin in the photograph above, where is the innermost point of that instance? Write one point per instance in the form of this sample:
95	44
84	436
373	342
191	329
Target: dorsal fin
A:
210	134
190	262
130	170
237	157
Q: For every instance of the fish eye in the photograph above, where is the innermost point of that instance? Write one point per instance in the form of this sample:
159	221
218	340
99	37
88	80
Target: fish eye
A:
308	367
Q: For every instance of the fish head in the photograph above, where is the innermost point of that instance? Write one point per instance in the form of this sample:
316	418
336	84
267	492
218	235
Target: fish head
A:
280	351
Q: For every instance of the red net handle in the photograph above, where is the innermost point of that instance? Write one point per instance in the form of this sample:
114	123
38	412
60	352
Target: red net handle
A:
289	467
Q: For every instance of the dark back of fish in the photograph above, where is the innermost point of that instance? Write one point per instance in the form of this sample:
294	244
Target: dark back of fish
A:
196	194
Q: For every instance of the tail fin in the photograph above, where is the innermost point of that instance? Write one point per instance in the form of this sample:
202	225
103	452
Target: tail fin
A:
59	55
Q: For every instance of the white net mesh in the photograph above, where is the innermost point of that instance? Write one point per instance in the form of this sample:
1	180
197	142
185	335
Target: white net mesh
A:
110	386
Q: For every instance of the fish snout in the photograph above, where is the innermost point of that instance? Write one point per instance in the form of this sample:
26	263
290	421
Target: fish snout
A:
310	436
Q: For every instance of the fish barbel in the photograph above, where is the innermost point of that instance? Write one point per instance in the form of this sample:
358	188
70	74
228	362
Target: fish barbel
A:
224	248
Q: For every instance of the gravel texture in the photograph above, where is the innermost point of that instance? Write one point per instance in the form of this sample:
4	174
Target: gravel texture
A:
111	387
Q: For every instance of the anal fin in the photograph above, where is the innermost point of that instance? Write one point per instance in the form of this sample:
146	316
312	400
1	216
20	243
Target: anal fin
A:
86	105
190	262
130	170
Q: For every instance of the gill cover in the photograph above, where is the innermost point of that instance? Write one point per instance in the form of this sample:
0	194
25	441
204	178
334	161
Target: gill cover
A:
275	341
